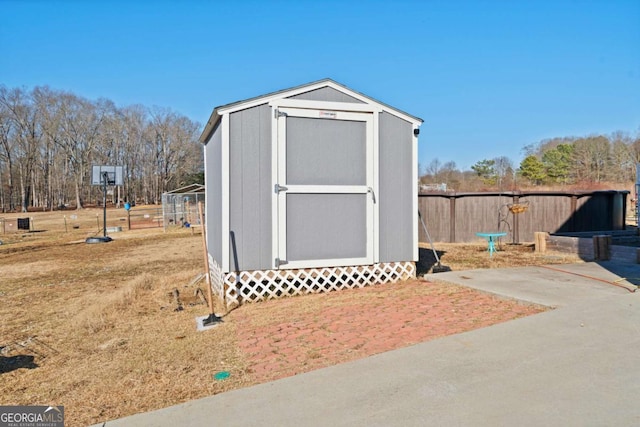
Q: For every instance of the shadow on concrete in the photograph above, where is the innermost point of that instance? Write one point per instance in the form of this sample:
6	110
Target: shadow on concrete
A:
625	270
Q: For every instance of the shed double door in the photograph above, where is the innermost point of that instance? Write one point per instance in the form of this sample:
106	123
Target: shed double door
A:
325	188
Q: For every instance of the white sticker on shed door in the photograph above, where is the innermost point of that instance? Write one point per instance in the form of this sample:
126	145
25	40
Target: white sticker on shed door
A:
324	204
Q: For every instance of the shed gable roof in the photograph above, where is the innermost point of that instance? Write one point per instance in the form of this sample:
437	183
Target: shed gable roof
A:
286	93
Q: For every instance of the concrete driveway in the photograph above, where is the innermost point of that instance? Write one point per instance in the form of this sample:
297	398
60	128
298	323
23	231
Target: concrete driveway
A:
576	365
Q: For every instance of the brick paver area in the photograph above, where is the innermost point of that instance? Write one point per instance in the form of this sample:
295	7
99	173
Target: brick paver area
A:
290	336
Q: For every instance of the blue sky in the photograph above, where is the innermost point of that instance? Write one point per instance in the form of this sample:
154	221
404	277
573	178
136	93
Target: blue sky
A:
487	77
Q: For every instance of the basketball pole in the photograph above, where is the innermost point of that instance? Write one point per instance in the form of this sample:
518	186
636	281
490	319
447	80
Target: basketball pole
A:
105	177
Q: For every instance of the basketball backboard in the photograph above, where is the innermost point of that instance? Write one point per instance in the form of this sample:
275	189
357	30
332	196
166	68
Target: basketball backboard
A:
112	174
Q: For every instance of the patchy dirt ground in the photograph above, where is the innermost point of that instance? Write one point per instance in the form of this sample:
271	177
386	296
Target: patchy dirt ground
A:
96	328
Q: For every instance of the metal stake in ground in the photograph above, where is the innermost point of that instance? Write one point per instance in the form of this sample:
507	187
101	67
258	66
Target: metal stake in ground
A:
212	319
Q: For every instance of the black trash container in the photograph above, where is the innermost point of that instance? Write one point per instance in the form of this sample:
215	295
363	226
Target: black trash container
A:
23	224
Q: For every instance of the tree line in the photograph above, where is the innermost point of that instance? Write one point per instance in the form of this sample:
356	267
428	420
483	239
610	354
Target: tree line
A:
50	139
556	162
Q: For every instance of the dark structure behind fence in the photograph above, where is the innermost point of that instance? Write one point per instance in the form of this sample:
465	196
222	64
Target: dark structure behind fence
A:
457	217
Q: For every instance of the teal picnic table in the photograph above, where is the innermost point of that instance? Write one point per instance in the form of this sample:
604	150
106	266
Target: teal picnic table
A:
491	238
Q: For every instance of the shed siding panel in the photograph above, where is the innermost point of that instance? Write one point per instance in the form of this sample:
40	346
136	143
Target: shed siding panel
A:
250	189
396	189
327	94
213	206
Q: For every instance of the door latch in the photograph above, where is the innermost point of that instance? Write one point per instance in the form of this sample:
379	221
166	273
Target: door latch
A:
373	195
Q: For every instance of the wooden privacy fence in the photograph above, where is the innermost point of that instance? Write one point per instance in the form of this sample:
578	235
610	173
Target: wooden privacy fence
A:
457	217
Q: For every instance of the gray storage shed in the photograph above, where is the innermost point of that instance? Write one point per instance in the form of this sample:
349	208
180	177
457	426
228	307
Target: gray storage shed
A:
309	189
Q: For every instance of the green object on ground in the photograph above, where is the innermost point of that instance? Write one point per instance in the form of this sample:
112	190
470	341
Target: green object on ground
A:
222	375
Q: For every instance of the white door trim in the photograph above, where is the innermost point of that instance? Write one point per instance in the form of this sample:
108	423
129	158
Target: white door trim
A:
225	182
281	188
324	105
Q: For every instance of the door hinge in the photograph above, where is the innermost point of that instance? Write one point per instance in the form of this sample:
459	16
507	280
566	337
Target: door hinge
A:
278	188
277	113
278	262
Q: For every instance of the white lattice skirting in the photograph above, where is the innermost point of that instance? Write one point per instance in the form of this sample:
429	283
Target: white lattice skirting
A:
250	286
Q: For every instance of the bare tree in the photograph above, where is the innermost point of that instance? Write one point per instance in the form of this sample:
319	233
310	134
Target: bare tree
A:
591	158
170	145
434	168
6	159
51	166
503	167
28	133
133	123
623	163
81	125
49	139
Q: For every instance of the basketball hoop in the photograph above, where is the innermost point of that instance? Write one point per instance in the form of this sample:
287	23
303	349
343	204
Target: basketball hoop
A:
105	175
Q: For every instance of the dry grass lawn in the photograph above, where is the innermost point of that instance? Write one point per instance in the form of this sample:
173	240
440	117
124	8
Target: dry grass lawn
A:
94	327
